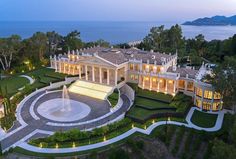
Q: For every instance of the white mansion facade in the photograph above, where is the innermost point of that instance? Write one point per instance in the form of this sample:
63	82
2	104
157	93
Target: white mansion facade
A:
150	70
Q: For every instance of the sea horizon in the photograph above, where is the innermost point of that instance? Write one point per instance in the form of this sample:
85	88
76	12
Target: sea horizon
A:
114	32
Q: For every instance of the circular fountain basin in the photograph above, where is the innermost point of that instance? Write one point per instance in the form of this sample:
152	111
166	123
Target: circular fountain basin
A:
52	109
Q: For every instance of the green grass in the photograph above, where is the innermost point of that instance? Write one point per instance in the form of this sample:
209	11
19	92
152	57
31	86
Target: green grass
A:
203	119
151	104
12	84
113	98
143	114
155	95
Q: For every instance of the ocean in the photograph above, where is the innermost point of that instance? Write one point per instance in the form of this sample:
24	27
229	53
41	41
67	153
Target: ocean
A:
113	32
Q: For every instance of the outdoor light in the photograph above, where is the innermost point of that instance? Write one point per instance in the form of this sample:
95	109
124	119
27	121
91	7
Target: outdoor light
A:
56	146
73	145
104	138
168	118
170	82
145	127
153	121
40	145
132	125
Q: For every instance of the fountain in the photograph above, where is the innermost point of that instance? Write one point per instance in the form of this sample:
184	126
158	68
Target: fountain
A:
63	109
66	106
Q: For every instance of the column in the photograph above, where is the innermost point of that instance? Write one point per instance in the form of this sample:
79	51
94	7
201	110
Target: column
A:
64	67
140	67
125	72
143	81
185	85
86	72
150	84
74	70
108	78
212	100
60	66
100	74
93	74
158	85
174	86
202	97
166	86
115	77
69	72
55	63
80	72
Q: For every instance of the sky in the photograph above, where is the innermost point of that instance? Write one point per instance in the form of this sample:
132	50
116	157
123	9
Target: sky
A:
113	10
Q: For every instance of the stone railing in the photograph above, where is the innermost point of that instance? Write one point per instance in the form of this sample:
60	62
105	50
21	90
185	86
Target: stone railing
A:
129	92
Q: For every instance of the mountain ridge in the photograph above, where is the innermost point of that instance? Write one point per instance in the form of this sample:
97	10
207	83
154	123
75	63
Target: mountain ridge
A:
217	20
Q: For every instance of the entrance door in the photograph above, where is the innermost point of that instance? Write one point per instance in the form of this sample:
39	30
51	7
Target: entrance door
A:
105	75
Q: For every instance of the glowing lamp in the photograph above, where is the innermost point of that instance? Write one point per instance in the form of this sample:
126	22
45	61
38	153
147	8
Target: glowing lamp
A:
57	146
132	125
104	138
153	121
73	145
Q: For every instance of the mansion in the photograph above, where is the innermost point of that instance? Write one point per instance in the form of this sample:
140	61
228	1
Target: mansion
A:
107	67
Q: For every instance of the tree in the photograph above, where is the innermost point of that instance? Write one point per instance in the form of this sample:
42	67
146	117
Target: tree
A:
54	39
72	41
163	40
8	48
222	150
223	80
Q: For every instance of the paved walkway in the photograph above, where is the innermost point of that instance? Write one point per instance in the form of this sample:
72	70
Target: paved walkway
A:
29	78
217	126
147	131
27	126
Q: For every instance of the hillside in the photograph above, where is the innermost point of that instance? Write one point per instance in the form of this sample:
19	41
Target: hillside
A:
213	21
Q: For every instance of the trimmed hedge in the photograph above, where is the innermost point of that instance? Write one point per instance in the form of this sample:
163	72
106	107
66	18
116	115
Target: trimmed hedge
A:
65	139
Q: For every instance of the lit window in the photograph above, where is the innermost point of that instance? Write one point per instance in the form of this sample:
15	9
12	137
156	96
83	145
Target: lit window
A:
208	94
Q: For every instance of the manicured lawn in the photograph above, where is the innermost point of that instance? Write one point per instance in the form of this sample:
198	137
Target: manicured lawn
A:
143	114
151	104
12	84
113	98
155	95
181	102
203	119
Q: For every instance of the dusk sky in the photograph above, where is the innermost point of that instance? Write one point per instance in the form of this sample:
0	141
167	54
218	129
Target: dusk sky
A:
113	10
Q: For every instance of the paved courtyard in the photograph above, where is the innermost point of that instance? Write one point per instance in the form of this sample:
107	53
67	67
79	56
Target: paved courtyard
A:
34	125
